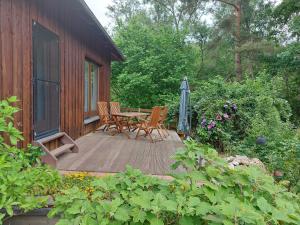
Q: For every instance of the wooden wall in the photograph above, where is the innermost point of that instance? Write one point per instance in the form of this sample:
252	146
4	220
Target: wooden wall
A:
77	39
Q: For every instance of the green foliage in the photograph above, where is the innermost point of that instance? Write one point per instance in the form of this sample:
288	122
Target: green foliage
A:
157	58
287	64
287	14
6	121
23	180
262	112
208	194
166	40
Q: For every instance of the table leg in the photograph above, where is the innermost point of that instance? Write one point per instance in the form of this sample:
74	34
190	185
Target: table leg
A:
120	127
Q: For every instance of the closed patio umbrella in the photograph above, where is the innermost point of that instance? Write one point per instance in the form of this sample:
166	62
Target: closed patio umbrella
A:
183	123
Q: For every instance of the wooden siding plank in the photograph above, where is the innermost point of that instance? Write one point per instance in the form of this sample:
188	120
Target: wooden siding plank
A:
26	68
17	58
62	65
6	43
77	40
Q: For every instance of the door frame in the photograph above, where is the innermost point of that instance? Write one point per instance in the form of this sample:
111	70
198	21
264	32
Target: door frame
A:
33	82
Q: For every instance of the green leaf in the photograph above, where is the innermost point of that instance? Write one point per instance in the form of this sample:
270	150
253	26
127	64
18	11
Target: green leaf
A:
186	220
193	201
170	205
1	217
143	200
54	211
227	222
9	210
64	222
203	208
74	209
138	215
212	171
12	99
153	220
263	205
122	214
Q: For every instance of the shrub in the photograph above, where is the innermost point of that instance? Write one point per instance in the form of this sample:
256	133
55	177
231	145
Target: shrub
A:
215	131
22	178
209	193
262	114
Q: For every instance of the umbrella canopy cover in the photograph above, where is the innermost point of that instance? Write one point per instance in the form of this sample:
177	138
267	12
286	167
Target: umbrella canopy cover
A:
183	123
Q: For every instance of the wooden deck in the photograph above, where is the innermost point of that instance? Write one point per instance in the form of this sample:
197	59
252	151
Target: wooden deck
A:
101	153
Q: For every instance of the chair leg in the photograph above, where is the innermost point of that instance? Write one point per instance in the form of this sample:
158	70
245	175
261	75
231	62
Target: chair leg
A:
134	129
149	134
165	129
137	135
104	127
161	138
162	130
128	126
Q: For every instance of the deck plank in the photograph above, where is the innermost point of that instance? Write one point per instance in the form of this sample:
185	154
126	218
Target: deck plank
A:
102	153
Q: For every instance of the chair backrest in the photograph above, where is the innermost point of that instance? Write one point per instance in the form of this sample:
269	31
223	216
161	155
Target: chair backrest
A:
103	111
115	107
163	114
154	117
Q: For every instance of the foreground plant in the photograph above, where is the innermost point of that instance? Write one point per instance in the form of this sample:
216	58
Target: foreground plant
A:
23	180
209	193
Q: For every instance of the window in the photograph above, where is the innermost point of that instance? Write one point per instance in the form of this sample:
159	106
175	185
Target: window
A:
91	88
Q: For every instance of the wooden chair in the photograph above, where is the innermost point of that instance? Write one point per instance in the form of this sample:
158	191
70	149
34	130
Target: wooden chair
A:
150	125
105	119
162	120
115	107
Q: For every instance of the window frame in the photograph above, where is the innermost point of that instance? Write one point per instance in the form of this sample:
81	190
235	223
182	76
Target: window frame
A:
90	113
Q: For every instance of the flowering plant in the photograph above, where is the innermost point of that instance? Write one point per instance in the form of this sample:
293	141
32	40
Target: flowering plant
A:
213	131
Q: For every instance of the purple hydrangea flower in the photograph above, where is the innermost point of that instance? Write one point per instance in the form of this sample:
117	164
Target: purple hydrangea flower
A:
234	107
211	125
226	116
203	122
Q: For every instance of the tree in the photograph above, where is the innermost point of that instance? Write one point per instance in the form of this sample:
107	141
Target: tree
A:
121	11
200	33
179	12
157	60
237	9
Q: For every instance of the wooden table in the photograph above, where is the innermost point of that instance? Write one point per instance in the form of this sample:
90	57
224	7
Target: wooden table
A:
127	116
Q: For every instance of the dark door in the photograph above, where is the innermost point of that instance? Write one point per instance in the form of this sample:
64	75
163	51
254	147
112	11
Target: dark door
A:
46	82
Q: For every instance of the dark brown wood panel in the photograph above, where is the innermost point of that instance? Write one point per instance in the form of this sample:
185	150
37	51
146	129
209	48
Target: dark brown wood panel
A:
6	48
77	40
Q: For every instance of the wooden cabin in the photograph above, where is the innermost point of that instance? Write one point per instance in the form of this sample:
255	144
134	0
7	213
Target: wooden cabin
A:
56	58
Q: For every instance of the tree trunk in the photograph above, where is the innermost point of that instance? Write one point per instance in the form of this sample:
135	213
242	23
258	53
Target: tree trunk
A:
238	61
202	53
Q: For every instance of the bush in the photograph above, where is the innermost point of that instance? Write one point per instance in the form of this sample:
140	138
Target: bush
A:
23	180
262	114
209	193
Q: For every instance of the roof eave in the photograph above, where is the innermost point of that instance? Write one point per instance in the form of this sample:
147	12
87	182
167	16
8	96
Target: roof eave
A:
116	54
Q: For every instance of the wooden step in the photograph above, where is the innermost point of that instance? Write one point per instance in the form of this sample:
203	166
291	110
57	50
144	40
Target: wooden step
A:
62	149
51	138
68	145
